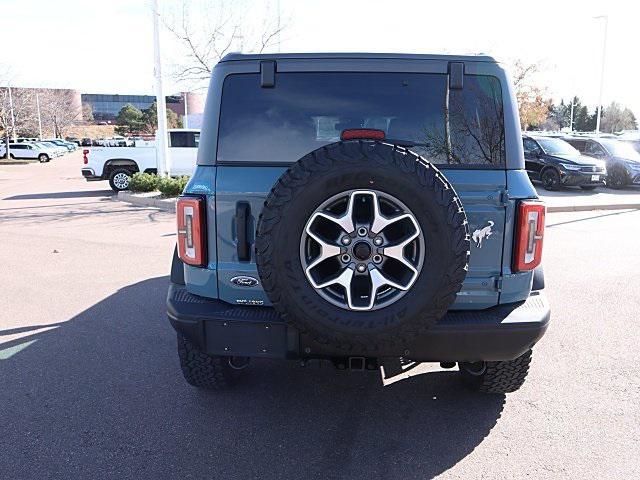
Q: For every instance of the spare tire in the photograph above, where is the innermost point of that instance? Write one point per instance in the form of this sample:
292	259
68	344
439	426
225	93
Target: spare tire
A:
362	245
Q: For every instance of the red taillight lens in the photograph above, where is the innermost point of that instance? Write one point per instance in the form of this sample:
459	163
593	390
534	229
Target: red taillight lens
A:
191	230
84	156
527	253
362	133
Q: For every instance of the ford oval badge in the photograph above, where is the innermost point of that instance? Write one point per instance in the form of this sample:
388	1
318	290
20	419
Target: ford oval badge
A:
244	281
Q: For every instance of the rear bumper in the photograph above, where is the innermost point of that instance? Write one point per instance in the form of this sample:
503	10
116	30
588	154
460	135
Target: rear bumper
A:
500	333
89	175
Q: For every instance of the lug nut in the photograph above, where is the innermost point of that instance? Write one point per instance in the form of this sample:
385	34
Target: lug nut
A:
362	268
346	258
346	240
362	231
377	241
377	258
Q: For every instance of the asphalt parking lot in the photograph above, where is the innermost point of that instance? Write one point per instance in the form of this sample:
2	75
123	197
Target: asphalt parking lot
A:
91	388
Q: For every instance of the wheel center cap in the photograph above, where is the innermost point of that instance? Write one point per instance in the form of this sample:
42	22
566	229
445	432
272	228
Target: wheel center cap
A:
362	250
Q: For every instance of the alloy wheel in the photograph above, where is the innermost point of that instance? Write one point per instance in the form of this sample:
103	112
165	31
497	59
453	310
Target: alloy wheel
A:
362	250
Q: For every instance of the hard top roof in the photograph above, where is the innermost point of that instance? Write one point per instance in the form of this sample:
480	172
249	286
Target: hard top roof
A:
234	57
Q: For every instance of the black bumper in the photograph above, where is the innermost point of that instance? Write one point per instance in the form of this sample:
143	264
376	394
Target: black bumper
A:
574	178
500	333
89	175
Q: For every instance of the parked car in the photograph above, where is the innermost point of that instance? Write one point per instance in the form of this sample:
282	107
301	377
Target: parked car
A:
74	140
27	150
115	142
69	146
58	149
622	161
25	139
328	219
86	142
117	164
556	163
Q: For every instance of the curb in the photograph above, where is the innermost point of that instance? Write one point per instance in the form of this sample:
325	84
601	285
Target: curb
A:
148	200
169	204
589	208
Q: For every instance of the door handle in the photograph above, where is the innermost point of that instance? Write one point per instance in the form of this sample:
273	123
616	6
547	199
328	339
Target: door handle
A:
243	217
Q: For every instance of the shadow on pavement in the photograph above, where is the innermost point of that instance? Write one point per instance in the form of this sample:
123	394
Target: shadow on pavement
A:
101	396
73	194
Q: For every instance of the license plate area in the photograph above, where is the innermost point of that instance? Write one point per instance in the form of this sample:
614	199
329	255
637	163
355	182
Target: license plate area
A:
595	178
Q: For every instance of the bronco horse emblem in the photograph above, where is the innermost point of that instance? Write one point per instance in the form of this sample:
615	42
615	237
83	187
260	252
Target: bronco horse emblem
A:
482	233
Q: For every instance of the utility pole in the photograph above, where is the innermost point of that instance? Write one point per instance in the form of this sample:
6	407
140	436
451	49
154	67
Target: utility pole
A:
571	121
39	117
186	112
604	55
13	119
162	146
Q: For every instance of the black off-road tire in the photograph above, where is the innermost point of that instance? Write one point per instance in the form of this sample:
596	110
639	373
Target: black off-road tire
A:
205	371
359	164
496	377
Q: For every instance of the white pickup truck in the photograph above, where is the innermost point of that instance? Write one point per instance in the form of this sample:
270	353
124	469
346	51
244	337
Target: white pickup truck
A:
117	164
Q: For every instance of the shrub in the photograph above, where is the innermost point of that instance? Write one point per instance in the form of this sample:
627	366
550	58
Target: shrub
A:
172	187
143	182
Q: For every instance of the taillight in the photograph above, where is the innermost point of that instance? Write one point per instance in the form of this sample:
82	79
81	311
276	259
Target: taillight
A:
84	156
362	133
191	230
527	253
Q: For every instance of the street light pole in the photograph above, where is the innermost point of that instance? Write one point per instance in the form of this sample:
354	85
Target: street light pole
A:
186	111
162	146
571	121
604	55
13	119
39	117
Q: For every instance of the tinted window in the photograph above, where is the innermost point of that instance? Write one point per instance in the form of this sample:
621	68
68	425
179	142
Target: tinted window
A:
308	110
592	148
530	146
184	139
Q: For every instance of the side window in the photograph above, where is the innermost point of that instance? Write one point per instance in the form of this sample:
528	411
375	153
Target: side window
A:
184	139
594	149
530	146
179	139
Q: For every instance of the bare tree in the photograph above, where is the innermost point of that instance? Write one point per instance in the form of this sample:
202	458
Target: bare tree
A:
60	110
616	118
206	30
17	109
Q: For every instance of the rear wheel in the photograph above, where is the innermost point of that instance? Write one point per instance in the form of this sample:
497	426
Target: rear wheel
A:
550	179
119	179
588	187
496	377
201	370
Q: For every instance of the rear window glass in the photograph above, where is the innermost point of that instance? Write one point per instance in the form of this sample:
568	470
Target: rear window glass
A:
308	110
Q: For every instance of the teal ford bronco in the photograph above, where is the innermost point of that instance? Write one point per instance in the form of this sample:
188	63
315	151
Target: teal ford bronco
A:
369	210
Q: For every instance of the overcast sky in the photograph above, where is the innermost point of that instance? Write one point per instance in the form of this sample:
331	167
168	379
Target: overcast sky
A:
100	46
